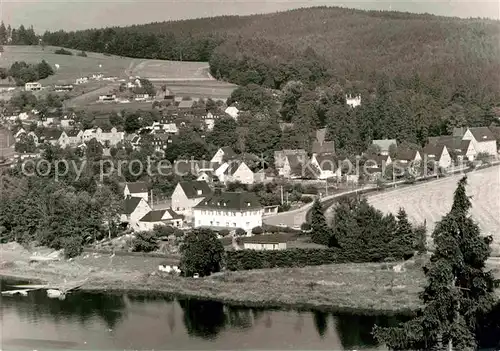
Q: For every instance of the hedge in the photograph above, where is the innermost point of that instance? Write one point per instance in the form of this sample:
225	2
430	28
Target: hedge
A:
253	259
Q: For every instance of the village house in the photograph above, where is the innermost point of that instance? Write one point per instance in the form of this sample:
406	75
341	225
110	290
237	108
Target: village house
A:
134	209
353	101
160	217
47	122
385	145
165	126
141	97
483	139
280	157
320	145
32	86
207	176
136	189
110	137
75	137
235	171
19	133
264	242
462	149
408	156
438	154
229	210
375	164
232	111
225	153
51	136
295	167
187	195
326	166
161	141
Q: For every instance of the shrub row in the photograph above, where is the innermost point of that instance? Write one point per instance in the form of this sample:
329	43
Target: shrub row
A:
252	259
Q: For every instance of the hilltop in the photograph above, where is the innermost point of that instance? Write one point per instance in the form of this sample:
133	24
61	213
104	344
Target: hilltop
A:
330	42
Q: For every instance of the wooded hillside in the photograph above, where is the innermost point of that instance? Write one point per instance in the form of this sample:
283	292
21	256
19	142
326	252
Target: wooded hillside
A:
418	75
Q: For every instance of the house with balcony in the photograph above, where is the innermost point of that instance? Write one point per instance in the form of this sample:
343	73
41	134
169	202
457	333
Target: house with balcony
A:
229	210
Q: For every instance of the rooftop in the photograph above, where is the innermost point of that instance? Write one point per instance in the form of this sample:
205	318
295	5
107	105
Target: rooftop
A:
237	201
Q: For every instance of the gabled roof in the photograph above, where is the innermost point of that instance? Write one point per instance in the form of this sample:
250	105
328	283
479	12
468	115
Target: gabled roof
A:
384	144
131	204
137	187
328	147
379	159
320	135
496	131
434	151
406	154
228	152
327	162
482	134
160	215
237	201
452	143
191	189
295	161
52	134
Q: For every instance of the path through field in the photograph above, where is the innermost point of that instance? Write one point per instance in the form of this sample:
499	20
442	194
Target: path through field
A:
430	201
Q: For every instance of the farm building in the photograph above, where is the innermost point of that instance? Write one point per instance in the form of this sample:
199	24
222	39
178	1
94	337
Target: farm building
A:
188	194
439	154
134	208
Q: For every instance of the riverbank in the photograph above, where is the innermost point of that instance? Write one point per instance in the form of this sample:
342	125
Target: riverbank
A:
339	287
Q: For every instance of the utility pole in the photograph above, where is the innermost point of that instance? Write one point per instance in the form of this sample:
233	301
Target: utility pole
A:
326	187
287	197
282	194
152	202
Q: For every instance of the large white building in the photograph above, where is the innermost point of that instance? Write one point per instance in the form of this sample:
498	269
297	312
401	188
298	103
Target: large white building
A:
111	137
229	210
32	86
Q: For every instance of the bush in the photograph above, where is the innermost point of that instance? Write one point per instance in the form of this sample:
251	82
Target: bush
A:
145	242
251	259
305	226
257	230
201	252
162	230
72	246
240	232
62	51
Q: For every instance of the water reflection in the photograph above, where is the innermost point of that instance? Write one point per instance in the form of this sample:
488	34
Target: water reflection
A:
113	321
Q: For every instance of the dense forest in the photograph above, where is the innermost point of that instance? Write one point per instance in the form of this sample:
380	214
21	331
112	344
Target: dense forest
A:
418	75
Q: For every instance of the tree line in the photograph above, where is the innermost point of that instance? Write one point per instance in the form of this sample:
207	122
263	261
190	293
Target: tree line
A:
23	72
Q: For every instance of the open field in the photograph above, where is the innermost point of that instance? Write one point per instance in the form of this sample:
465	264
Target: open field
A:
72	67
430	201
211	88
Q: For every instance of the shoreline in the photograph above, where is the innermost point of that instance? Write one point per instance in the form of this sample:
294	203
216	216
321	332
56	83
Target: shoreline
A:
369	289
111	288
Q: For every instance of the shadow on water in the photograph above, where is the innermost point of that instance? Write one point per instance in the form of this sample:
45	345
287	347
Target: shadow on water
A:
207	319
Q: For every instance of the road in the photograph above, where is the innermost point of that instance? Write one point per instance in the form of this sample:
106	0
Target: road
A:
298	216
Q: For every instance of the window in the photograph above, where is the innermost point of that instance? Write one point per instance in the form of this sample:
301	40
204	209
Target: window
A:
211	223
234	225
227	224
248	224
218	223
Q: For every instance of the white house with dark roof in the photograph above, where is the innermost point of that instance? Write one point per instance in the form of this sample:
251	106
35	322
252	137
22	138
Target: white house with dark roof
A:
464	149
235	171
229	210
160	217
483	139
327	166
75	137
384	145
137	189
187	195
438	154
50	136
223	154
134	209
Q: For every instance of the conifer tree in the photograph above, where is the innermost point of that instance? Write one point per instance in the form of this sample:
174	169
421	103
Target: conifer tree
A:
320	232
459	290
404	240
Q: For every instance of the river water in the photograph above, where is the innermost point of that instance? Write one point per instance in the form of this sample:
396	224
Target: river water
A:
100	321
